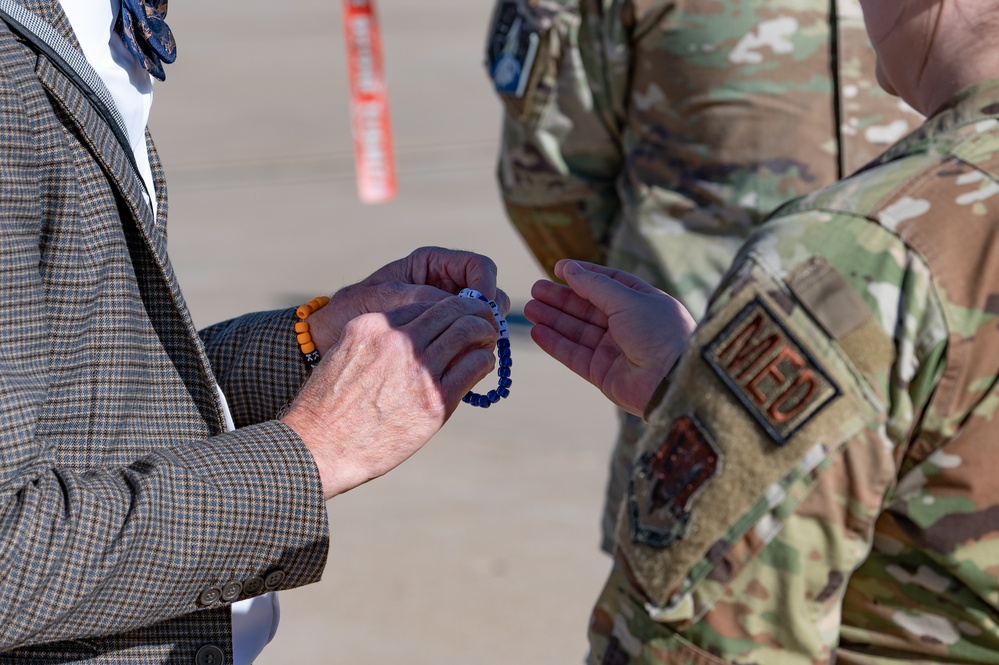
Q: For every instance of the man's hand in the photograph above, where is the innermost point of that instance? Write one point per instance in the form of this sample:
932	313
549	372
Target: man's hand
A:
611	328
389	385
428	274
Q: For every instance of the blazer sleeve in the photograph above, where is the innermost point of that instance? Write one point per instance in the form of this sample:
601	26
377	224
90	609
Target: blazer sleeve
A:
257	363
91	549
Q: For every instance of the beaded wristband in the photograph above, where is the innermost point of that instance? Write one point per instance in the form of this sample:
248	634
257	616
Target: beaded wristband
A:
305	342
502	350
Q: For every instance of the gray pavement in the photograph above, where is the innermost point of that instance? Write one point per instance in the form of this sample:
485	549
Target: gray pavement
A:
482	548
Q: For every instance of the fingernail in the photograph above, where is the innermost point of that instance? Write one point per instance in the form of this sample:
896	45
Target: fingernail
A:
572	268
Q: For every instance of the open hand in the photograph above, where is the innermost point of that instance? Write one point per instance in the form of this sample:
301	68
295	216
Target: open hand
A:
614	330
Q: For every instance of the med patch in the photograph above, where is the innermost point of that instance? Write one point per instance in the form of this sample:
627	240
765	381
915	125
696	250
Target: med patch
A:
769	371
512	48
665	481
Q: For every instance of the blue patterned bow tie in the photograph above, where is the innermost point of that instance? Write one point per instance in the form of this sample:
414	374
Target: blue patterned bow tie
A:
142	27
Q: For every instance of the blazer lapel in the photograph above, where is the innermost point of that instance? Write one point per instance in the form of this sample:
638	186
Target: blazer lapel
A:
105	147
93	129
101	141
159	181
52	12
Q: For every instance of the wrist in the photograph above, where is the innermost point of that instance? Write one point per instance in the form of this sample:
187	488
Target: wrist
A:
322	324
304	332
336	472
658	394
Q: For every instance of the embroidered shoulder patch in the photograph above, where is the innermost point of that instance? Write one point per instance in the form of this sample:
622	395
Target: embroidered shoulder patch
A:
512	48
665	482
769	371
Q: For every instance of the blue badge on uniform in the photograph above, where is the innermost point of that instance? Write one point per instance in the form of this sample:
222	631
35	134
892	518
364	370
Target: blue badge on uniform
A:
512	48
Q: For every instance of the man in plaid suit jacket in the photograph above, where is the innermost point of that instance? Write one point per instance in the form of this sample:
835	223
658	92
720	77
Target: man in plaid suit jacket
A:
130	519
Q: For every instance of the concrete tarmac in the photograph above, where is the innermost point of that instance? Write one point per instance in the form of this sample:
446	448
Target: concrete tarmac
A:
483	548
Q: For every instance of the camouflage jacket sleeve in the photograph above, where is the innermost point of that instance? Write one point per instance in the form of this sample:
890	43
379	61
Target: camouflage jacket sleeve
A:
768	463
560	154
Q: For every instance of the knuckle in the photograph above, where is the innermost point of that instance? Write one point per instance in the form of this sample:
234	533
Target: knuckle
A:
476	328
482	361
486	358
362	323
397	341
487	263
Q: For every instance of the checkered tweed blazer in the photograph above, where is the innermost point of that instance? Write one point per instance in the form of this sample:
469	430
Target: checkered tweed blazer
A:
121	496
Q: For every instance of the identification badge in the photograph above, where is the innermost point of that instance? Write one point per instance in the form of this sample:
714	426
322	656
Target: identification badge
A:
512	48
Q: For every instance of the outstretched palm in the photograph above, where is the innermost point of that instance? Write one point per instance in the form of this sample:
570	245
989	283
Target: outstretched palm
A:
617	332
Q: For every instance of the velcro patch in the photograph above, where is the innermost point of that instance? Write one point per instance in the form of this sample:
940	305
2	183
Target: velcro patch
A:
512	48
769	372
666	480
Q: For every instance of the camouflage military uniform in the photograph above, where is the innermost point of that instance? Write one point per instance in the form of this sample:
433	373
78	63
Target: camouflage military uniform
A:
654	135
818	484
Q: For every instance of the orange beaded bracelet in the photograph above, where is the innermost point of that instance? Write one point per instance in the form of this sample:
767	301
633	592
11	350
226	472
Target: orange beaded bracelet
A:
305	342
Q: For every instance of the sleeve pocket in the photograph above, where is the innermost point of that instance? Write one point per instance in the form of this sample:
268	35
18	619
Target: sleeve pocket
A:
523	53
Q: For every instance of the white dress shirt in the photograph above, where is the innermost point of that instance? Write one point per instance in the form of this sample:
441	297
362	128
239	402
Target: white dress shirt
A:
254	621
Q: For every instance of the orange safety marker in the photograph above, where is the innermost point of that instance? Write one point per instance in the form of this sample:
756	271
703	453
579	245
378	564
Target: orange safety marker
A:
373	157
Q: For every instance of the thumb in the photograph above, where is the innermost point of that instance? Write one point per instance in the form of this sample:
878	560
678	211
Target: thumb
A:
602	291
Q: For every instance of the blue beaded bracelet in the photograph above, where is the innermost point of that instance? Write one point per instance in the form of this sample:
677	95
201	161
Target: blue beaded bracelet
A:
502	350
